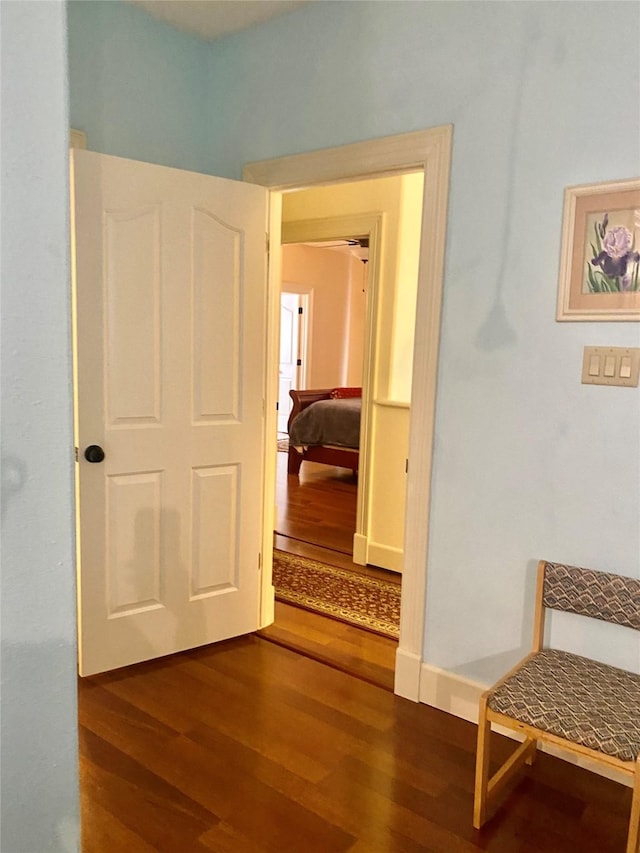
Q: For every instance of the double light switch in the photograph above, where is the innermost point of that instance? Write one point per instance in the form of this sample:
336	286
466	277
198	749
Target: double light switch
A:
611	366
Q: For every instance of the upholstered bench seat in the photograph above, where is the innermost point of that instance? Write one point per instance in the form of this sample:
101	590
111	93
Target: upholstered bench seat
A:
581	700
587	708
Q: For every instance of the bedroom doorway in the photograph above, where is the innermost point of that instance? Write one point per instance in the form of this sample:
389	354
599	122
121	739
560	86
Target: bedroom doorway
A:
363	275
316	499
363	333
428	151
317	503
294	365
323	599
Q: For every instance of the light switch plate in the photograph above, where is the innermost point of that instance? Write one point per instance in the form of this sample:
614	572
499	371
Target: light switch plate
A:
611	366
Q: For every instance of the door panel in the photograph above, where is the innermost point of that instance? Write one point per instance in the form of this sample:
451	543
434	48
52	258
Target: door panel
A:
134	579
169	274
132	294
214	498
216	317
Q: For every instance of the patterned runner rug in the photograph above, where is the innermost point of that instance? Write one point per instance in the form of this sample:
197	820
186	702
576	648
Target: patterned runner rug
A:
351	597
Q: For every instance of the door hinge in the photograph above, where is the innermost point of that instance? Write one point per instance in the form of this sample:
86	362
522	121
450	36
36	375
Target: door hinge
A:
300	309
259	561
77	453
267	243
406	466
299	362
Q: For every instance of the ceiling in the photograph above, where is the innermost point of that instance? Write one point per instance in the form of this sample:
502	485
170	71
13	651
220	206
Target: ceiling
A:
211	19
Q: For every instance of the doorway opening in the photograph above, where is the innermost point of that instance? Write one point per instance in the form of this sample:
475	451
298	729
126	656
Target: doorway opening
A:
295	319
317	501
348	509
428	151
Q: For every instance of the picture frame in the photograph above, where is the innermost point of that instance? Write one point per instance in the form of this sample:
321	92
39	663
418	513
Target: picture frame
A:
600	258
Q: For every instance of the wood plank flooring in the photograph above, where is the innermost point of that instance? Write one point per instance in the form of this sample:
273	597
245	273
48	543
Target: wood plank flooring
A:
247	747
318	506
250	747
320	509
347	648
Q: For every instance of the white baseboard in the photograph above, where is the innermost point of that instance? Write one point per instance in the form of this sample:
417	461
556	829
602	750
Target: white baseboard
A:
360	549
449	692
460	696
407	676
384	556
268	609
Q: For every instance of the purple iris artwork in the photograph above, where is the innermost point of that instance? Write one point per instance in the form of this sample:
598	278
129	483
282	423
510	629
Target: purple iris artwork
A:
615	265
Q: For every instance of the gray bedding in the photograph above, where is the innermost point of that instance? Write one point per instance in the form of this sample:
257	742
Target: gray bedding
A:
328	422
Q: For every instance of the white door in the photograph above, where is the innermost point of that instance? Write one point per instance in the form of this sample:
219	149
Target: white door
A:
170	280
290	356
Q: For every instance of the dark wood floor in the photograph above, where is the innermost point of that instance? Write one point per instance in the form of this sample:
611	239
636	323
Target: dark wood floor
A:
247	747
317	509
317	506
360	653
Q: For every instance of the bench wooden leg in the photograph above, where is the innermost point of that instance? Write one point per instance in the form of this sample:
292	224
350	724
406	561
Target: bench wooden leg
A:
482	766
633	841
531	758
507	771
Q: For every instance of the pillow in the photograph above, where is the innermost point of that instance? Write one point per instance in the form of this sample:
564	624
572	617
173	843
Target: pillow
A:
343	393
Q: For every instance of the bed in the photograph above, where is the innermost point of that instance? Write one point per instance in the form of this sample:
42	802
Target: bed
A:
324	426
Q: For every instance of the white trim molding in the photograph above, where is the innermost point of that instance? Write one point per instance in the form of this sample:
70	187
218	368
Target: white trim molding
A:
365	551
449	692
385	555
428	151
77	139
408	673
374	158
270	426
360	549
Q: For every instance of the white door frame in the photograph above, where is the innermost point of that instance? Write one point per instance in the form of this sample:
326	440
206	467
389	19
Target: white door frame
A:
301	302
429	150
305	295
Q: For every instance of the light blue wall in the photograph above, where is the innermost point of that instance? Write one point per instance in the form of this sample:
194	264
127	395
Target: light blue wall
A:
137	86
528	462
39	724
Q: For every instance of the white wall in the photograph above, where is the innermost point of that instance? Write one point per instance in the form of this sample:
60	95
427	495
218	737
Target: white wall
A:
335	350
39	775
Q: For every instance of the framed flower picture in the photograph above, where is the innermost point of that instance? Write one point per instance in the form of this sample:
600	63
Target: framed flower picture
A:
600	261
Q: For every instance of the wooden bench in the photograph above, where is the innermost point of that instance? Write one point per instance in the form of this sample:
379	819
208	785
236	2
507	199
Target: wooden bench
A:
590	709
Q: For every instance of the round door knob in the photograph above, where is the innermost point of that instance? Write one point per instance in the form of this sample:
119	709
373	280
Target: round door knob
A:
94	453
